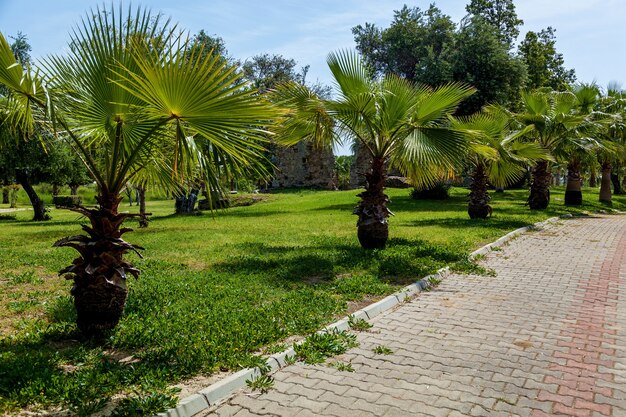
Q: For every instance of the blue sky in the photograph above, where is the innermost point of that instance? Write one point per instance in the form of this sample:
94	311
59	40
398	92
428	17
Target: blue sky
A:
590	33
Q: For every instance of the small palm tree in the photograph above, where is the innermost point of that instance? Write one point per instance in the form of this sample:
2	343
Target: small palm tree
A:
132	95
400	124
497	155
556	126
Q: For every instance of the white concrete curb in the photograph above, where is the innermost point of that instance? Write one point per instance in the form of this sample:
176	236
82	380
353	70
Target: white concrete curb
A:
216	393
509	236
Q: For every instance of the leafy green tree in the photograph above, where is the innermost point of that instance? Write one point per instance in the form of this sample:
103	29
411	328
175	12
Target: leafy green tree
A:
497	155
206	46
417	45
21	50
126	104
500	14
545	66
266	71
427	47
25	162
343	164
400	124
484	61
63	167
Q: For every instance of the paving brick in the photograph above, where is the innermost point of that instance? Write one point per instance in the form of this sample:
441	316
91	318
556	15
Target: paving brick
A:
545	337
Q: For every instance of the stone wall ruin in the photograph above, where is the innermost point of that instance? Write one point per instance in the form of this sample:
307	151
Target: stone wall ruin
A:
304	165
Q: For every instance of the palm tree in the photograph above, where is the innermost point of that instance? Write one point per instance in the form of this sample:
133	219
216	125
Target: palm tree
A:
556	127
131	95
587	96
497	155
399	124
613	105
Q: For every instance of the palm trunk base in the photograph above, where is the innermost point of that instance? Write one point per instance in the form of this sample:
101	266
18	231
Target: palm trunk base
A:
573	198
539	201
100	272
605	186
479	211
373	236
478	206
98	307
539	197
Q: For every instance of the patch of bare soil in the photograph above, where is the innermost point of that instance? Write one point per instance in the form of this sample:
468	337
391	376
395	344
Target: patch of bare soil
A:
357	305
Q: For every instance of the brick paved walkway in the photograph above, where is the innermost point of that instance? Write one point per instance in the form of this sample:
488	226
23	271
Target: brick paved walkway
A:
546	337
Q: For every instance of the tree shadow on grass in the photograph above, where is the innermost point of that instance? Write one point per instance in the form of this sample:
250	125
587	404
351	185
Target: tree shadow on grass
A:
222	213
407	204
403	260
492	223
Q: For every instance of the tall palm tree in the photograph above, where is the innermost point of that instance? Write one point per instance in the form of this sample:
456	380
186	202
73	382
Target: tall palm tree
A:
497	155
131	95
400	124
556	126
613	106
587	96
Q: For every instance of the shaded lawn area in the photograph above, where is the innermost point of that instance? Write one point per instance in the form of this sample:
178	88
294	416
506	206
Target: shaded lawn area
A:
216	289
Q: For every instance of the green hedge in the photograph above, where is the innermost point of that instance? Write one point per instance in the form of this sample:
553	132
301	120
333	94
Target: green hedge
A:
67	200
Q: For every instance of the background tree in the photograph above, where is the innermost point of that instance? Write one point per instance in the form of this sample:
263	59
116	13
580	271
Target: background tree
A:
417	45
21	51
206	46
545	66
265	71
500	14
343	164
26	163
427	47
63	167
483	60
21	48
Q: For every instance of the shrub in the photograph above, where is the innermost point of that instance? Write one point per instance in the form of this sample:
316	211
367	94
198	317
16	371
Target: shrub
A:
67	201
439	191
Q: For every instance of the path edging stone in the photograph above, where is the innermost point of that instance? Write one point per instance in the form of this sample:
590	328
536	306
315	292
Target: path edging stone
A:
221	390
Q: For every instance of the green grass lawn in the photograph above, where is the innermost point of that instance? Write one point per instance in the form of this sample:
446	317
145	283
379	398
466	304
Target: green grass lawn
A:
216	289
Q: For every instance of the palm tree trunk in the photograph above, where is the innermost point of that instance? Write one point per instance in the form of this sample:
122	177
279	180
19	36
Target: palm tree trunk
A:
556	179
99	273
186	203
617	186
143	218
605	184
39	208
593	182
539	197
478	206
5	191
573	193
373	227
